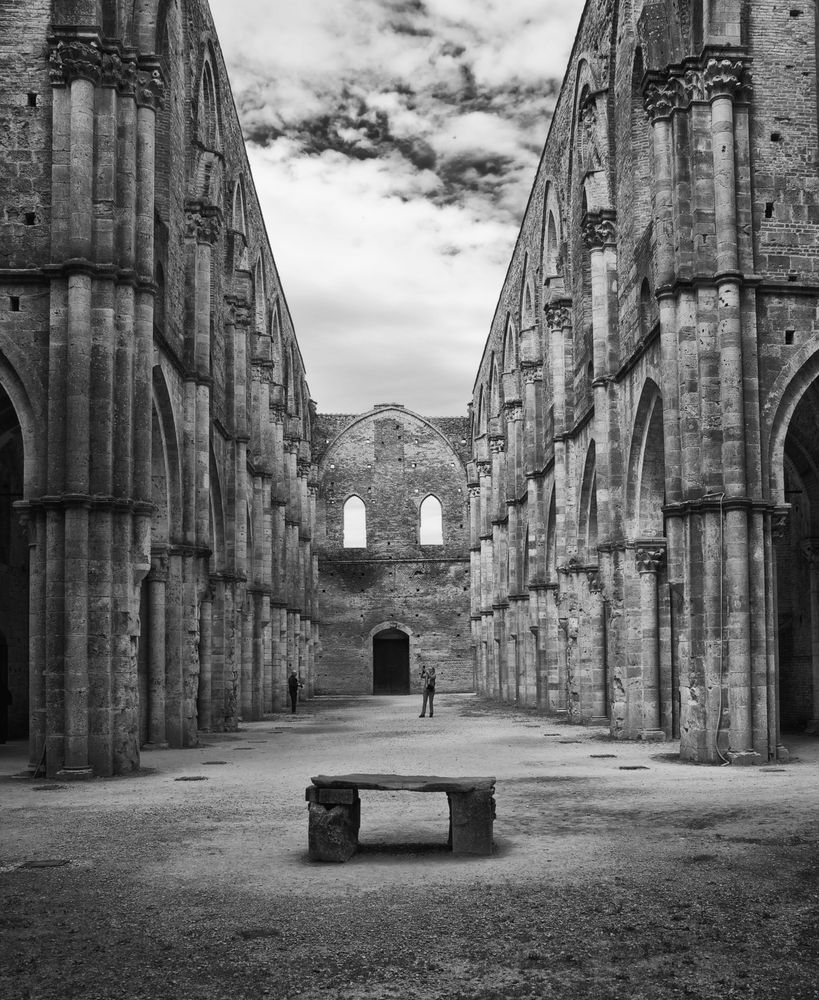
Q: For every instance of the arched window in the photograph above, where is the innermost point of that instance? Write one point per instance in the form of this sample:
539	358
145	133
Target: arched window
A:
239	221
552	249
209	122
355	523
260	296
431	530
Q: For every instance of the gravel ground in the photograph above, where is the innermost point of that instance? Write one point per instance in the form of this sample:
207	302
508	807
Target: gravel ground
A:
618	871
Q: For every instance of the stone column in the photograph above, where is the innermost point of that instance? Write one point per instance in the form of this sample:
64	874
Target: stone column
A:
155	628
204	702
649	561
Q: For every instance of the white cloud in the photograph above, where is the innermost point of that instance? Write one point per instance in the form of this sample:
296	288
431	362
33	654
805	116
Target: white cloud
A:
392	265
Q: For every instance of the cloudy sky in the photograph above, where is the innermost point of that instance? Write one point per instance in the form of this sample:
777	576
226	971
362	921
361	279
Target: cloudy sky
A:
393	144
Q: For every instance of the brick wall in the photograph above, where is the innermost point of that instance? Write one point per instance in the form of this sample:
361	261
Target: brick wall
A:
392	459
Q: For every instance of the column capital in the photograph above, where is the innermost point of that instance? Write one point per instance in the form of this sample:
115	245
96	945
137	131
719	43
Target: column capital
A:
599	229
203	223
559	315
75	59
150	86
661	97
158	572
649	560
725	77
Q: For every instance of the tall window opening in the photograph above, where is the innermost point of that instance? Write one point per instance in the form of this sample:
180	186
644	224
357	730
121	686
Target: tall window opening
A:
432	525
355	523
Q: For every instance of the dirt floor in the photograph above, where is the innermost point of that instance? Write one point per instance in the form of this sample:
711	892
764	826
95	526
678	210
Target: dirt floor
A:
618	871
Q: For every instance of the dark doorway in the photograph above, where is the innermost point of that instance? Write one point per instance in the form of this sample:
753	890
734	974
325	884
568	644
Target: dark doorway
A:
391	662
797	571
14	688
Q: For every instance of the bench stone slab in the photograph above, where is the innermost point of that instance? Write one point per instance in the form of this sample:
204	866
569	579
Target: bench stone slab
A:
404	783
335	810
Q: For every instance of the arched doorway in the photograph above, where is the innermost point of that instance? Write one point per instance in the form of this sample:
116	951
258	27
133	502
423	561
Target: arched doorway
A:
391	673
14	702
797	571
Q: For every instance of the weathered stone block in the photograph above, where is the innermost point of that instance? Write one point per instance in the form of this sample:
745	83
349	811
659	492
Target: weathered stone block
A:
332	833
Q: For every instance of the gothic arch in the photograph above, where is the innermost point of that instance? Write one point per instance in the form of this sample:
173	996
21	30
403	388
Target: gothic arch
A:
171	456
354	520
33	471
793	382
551	539
587	511
238	209
645	483
217	518
430	521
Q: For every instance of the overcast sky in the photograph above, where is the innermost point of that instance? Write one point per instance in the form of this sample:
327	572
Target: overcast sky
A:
393	145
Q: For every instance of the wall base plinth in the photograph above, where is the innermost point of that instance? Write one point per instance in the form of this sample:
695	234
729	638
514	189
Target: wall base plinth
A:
75	774
744	758
651	735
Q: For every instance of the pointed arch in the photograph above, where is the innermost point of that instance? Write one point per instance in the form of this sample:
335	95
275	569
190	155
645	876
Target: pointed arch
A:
495	394
168	448
551	539
259	296
430	521
354	523
587	524
510	345
645	483
238	211
208	124
217	518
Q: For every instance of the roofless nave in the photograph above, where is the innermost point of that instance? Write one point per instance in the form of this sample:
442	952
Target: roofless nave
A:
633	497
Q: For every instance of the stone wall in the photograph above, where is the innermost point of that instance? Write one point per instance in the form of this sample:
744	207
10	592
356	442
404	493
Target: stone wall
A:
393	460
150	374
640	425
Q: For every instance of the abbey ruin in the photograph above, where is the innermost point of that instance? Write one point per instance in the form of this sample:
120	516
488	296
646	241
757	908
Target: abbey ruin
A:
620	532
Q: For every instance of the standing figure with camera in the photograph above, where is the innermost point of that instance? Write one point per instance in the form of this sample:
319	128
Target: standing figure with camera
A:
428	677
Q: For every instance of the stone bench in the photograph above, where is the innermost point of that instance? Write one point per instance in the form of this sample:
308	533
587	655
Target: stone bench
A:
335	810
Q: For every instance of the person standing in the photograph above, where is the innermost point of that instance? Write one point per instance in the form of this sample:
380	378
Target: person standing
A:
293	686
428	676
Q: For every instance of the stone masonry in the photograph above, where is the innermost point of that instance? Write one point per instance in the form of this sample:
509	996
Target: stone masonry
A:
644	453
155	416
394	592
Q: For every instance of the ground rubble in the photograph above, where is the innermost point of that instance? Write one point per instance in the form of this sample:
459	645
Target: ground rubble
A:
617	872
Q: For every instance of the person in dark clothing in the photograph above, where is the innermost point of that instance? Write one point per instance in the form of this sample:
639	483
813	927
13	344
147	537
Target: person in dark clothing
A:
293	685
428	675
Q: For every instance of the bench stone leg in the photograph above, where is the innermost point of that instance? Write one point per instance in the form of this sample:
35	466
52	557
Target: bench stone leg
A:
471	815
333	823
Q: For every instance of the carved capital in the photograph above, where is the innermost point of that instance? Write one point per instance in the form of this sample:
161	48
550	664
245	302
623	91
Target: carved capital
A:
558	317
474	492
661	97
531	373
159	568
484	468
497	445
303	466
598	231
150	87
649	560
724	78
118	72
75	60
203	226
